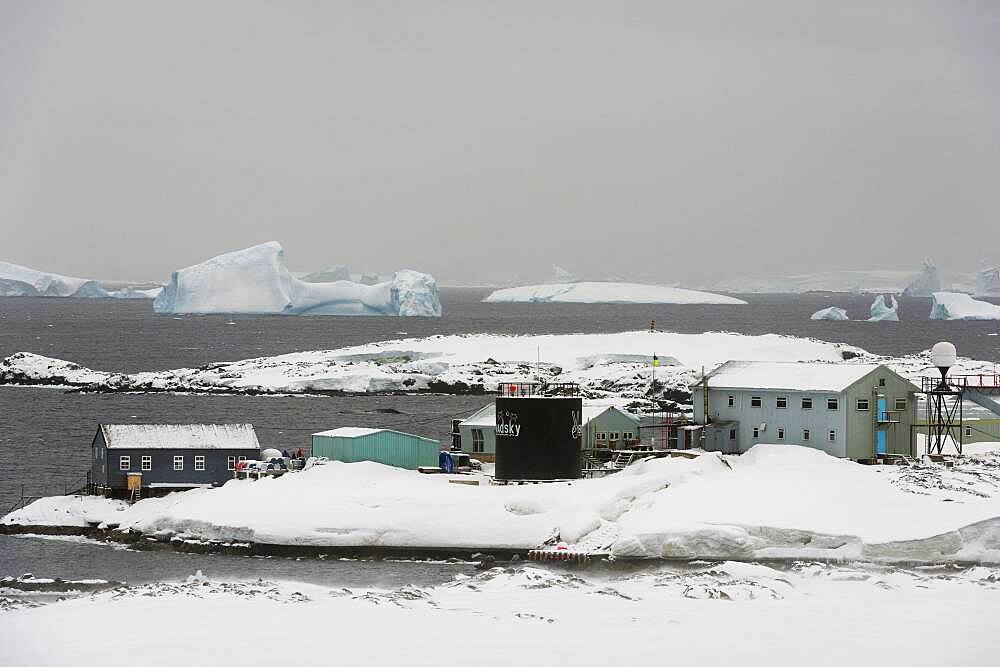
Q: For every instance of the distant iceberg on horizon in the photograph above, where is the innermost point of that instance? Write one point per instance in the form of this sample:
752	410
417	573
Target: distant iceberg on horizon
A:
256	281
607	292
926	283
17	280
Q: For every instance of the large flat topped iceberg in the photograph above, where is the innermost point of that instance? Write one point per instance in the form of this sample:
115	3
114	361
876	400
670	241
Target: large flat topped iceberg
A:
955	306
256	280
603	292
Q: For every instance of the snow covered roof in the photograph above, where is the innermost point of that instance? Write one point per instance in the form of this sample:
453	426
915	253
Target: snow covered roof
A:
180	436
487	416
349	432
794	376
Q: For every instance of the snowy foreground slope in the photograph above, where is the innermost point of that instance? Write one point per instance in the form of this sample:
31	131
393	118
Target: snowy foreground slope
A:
256	280
604	292
776	501
615	365
712	614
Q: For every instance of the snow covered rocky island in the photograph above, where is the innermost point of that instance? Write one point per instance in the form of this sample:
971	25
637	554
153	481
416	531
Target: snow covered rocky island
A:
604	365
607	292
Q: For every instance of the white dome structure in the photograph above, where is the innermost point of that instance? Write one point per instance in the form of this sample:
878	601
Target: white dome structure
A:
944	355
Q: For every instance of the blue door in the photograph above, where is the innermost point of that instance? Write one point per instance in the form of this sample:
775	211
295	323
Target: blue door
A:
883	416
880	435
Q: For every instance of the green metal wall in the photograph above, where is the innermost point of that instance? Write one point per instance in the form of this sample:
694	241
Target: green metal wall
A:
389	447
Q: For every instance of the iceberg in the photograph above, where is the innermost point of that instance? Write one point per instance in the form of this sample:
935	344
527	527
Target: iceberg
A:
368	279
17	280
884	312
956	306
988	281
831	313
927	283
333	274
256	281
606	292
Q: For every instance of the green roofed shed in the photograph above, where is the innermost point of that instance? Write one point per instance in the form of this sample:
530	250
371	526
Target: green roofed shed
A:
395	448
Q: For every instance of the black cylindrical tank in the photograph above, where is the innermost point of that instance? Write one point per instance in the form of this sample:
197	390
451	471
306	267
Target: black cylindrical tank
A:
538	438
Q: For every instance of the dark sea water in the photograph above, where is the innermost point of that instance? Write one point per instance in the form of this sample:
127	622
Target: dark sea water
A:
45	434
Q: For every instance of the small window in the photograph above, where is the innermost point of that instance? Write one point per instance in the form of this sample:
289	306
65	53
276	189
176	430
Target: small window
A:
832	404
781	402
756	432
732	434
613	436
478	441
243	458
231	463
755	401
626	435
832	436
732	400
199	463
881	382
147	463
601	436
968	431
807	404
178	463
900	404
805	434
124	462
863	404
781	434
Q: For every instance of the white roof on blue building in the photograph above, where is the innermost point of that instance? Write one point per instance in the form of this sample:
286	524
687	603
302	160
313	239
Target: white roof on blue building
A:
180	436
790	375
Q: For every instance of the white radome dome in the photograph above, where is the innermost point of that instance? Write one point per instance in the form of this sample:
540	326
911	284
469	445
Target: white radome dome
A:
269	454
944	355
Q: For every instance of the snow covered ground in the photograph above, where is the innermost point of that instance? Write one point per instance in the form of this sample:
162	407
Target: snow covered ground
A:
776	501
721	613
606	292
605	365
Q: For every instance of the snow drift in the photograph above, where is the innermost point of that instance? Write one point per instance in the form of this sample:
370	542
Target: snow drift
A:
255	280
831	313
775	501
604	292
956	306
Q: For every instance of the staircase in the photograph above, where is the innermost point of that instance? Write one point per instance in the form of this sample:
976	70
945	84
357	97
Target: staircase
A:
622	460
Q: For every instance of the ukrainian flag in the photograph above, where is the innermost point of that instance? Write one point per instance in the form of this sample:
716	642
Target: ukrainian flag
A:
656	360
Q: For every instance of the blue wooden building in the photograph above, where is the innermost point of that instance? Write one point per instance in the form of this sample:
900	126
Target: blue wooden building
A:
382	445
168	456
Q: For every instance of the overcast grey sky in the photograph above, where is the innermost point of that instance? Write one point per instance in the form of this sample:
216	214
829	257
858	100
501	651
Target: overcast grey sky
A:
682	139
